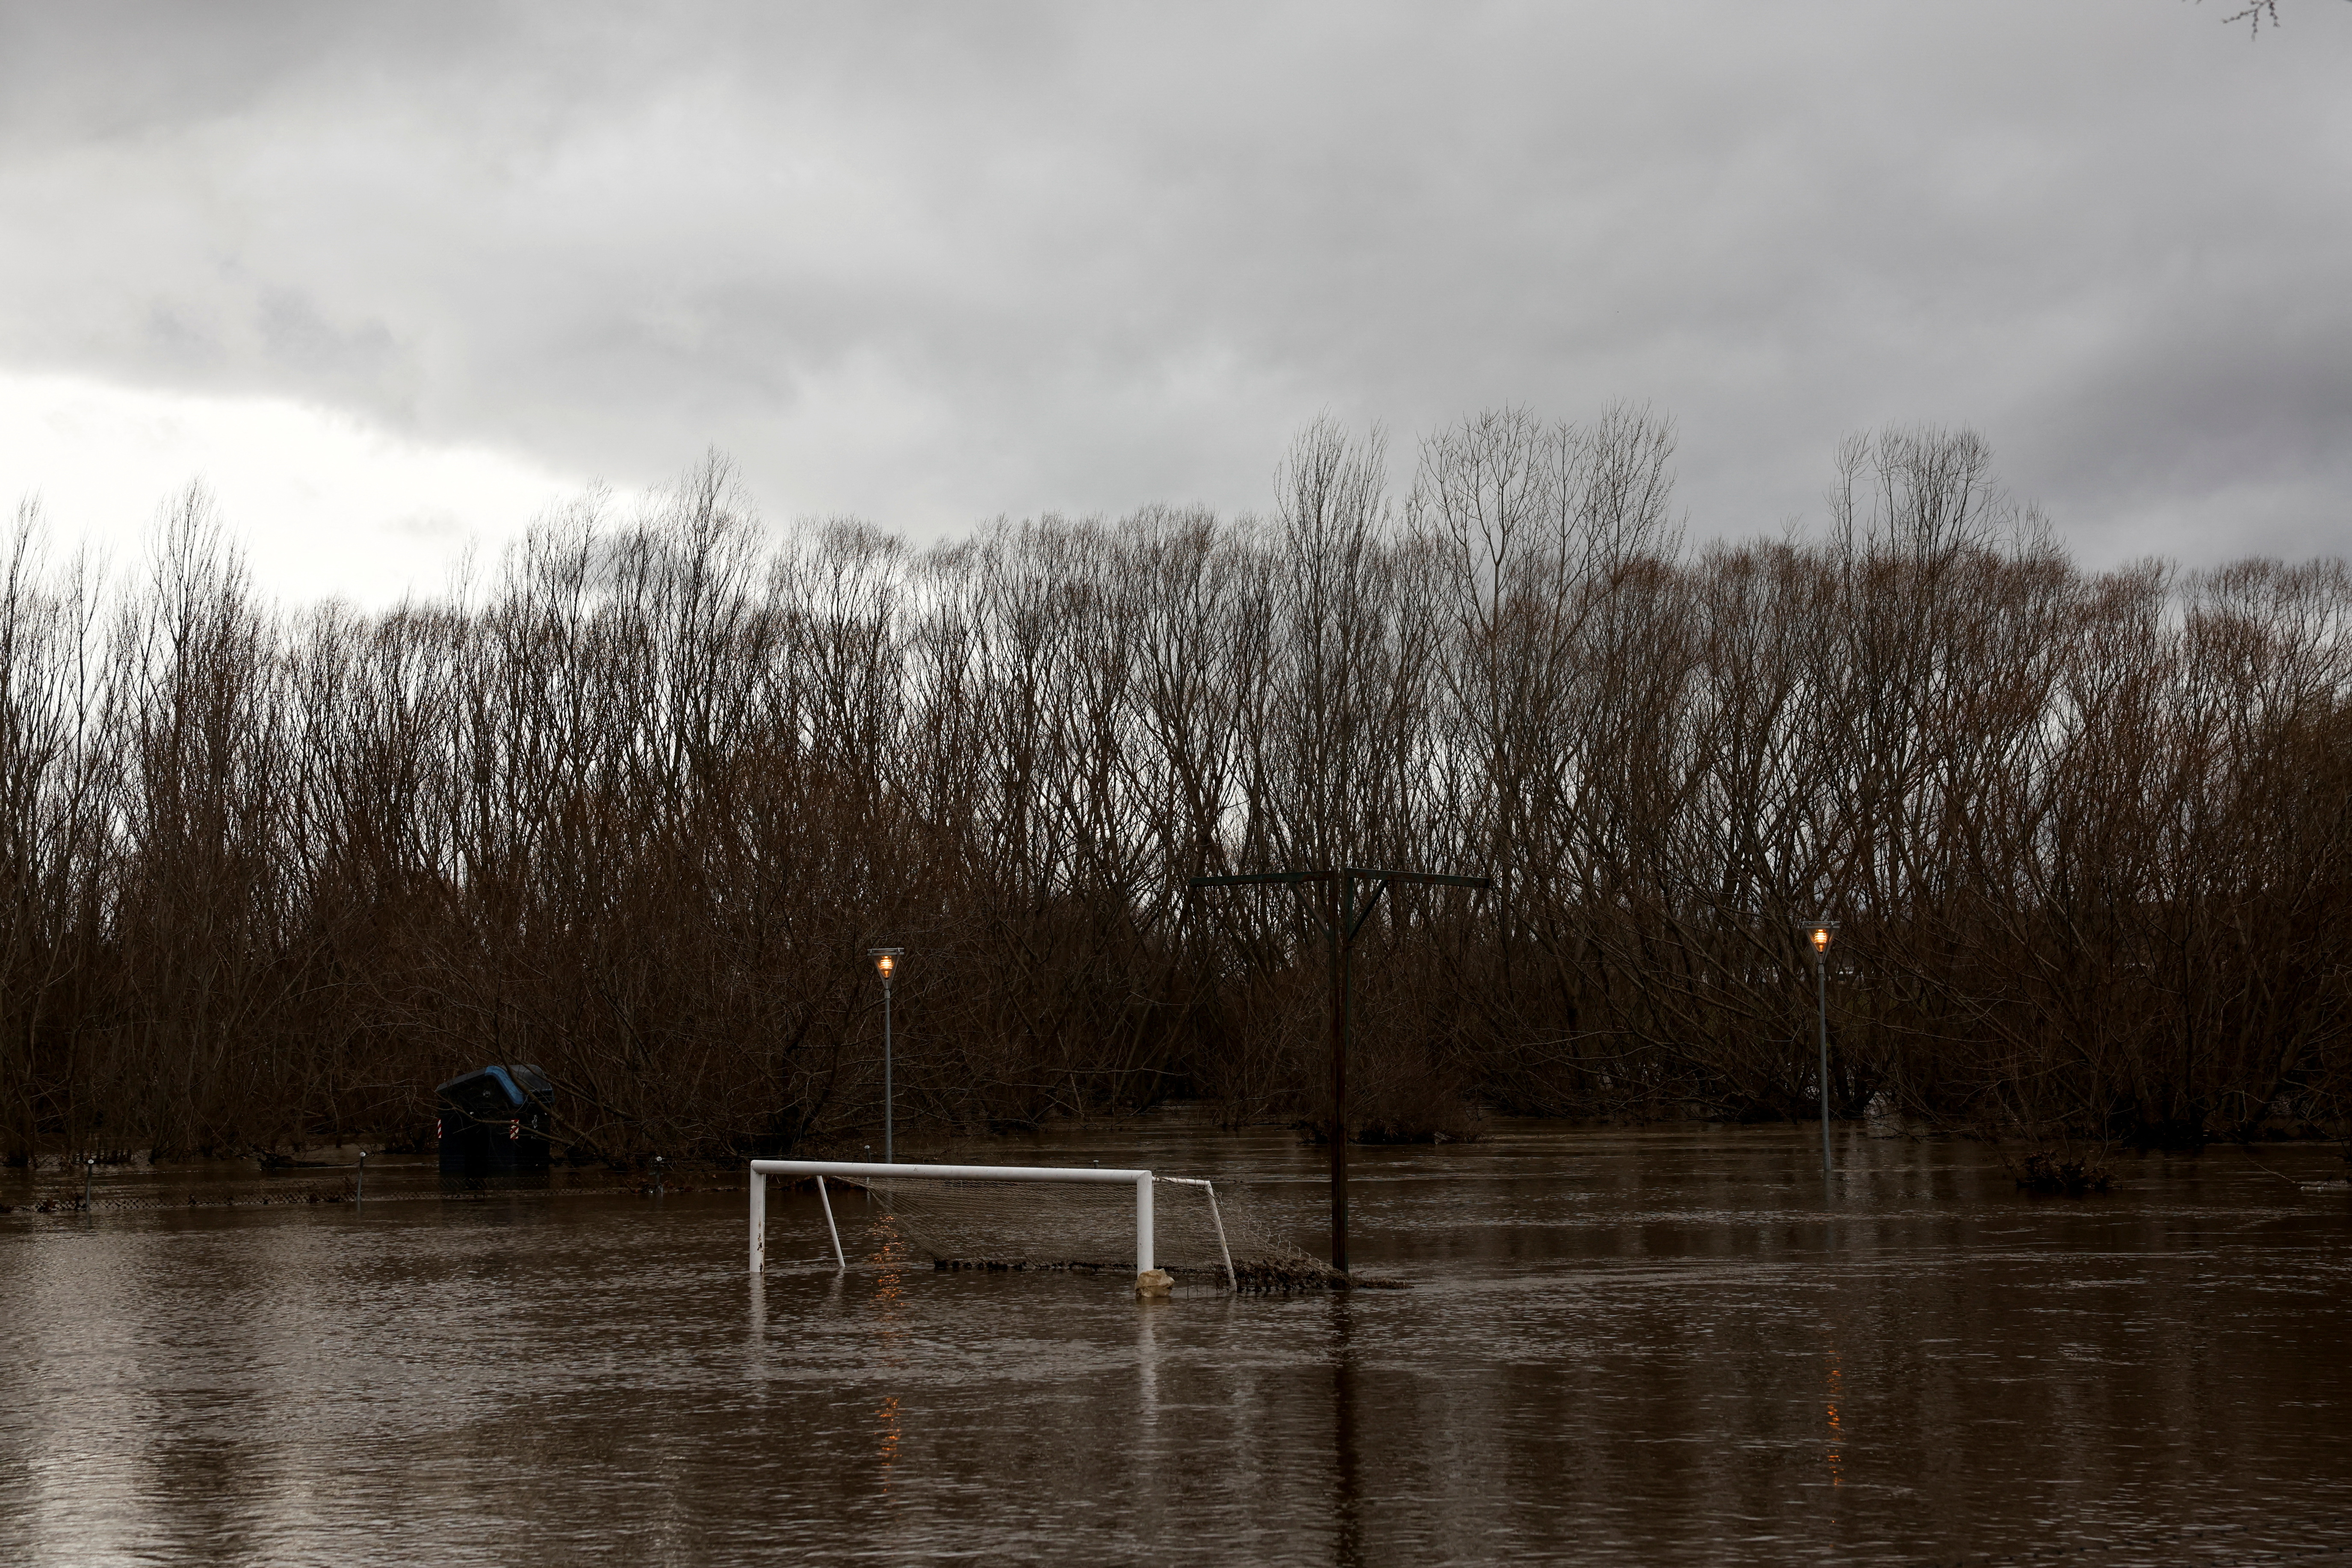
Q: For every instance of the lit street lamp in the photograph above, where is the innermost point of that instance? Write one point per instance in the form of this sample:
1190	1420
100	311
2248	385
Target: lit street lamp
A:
1820	939
886	964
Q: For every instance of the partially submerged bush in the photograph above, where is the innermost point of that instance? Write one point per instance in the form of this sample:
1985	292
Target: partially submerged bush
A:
2049	1171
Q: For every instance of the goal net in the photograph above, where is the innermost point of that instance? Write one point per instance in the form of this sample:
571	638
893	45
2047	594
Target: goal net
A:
1011	1217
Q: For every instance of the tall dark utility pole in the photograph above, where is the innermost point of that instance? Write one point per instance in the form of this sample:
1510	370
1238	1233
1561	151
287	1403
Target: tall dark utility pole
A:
1342	923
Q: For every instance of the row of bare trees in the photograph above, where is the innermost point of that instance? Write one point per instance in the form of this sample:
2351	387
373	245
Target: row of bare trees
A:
635	807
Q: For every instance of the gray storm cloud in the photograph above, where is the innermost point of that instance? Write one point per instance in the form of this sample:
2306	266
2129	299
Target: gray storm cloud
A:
927	264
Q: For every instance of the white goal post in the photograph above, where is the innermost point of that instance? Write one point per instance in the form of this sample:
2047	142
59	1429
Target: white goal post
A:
867	1171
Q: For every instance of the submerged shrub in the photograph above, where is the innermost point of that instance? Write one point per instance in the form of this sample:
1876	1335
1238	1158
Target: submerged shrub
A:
2048	1171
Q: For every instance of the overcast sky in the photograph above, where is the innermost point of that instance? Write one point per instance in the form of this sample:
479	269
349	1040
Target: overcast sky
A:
391	278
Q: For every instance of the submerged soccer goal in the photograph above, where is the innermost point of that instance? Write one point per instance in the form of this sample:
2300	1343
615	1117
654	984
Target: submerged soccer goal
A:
1049	1216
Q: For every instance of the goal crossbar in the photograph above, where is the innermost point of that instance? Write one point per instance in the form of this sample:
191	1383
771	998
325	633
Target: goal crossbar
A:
863	1170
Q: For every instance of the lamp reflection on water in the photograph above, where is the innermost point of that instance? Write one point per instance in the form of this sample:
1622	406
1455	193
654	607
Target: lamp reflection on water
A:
1836	1451
888	1413
891	1333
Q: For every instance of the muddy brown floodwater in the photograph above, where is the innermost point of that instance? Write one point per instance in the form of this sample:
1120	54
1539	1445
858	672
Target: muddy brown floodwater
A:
1660	1346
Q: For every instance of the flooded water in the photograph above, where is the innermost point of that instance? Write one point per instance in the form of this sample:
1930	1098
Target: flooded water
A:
1660	1346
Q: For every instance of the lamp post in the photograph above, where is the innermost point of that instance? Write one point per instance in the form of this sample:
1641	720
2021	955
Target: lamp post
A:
886	965
1821	940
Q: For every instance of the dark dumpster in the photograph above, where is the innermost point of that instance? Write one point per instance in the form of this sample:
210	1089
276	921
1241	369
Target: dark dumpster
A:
495	1121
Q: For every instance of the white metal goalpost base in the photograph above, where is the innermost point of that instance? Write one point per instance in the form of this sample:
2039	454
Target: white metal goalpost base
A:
1141	1180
